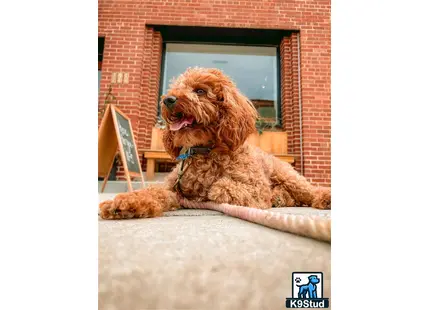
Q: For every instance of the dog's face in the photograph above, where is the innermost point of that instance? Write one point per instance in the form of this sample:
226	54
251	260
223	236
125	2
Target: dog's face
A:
203	107
314	279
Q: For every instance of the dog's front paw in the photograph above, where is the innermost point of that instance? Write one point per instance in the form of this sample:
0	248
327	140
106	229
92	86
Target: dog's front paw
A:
107	210
129	205
322	199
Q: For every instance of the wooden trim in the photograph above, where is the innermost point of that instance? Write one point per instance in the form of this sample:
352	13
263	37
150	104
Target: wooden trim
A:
286	158
120	112
107	143
164	155
150	169
135	174
157	154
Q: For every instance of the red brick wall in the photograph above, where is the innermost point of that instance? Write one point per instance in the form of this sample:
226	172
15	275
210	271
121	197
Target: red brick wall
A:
290	95
150	80
132	47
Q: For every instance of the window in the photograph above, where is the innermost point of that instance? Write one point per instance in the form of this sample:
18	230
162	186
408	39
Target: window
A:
100	58
254	69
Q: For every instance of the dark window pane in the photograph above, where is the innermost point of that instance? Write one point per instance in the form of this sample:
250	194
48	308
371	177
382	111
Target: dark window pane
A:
100	78
252	68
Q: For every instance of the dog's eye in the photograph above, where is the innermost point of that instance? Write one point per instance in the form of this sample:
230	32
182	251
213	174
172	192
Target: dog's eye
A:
199	91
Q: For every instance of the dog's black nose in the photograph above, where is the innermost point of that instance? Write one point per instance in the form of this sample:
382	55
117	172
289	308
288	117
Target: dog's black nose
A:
170	101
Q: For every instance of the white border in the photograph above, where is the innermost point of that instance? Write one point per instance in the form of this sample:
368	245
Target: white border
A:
380	153
49	155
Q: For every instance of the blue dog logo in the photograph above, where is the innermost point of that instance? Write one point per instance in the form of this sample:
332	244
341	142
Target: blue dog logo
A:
309	290
309	295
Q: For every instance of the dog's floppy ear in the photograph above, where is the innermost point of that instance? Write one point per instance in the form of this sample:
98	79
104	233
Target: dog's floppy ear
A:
237	118
168	144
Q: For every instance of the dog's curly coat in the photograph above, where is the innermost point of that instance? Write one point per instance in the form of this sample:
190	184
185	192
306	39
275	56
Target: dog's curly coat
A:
210	111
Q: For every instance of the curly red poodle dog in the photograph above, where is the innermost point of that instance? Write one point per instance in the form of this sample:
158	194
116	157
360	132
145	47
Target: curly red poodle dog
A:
208	122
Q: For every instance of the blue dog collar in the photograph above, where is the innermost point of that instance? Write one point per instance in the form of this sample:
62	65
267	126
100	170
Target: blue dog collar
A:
193	151
183	156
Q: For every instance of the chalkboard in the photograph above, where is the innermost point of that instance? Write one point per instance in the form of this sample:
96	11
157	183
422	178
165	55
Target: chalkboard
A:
115	132
127	142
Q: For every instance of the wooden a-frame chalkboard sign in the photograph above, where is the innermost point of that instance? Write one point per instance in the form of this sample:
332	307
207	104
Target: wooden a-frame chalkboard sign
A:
115	131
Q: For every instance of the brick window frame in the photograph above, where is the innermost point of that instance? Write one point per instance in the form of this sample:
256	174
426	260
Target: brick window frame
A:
288	66
225	36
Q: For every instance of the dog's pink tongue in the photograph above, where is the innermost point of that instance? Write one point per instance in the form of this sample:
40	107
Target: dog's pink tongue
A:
183	122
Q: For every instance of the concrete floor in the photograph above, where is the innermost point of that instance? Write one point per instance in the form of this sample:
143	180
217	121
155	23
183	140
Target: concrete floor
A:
121	186
202	259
